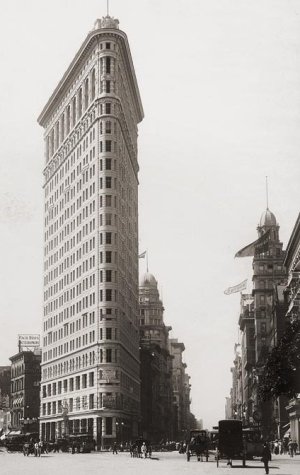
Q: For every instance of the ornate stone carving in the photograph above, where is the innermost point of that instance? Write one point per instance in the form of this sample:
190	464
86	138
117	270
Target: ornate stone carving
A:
106	22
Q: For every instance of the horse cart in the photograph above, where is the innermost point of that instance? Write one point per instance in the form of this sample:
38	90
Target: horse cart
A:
230	444
197	445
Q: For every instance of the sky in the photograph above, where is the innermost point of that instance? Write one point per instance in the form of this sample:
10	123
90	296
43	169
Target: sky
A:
219	82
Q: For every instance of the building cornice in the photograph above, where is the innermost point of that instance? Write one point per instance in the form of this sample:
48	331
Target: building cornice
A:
68	77
293	244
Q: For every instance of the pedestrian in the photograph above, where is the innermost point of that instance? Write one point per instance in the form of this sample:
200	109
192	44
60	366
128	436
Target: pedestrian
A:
295	446
115	448
40	447
144	450
36	449
266	457
291	448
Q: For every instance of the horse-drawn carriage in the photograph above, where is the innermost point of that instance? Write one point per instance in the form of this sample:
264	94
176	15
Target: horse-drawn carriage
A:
230	445
197	444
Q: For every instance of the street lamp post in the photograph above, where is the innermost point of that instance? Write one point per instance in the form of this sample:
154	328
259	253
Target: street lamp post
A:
117	431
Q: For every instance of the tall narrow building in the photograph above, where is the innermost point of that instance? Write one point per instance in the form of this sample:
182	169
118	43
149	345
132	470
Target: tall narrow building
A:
156	365
268	273
90	362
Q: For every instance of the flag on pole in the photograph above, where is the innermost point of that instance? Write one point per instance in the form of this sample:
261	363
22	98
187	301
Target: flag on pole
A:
260	245
142	255
236	288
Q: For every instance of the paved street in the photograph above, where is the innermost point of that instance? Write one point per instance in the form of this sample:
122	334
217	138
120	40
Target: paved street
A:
108	464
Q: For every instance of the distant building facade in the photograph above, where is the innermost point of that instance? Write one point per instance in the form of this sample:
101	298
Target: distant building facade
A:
25	390
156	365
4	398
261	322
181	390
292	263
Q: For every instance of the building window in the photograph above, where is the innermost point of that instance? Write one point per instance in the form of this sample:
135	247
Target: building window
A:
108	64
108	108
91	401
86	94
107	45
108	355
108	219
93	84
91	380
107	238
84	381
108	182
108	145
108	257
77	382
108	164
73	111
71	384
80	102
108	275
108	127
108	333
108	295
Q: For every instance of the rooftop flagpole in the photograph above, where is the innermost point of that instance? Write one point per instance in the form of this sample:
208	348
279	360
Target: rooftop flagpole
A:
147	261
107	7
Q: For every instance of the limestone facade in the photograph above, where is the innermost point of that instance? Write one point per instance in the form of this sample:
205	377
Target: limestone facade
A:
90	361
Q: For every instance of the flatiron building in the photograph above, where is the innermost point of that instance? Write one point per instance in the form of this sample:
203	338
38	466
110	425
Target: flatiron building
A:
90	360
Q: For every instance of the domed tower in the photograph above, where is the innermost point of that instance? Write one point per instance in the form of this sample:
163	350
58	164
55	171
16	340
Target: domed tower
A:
152	327
268	273
268	222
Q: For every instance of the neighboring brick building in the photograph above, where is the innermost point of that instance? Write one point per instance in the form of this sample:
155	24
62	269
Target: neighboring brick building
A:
25	390
4	398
